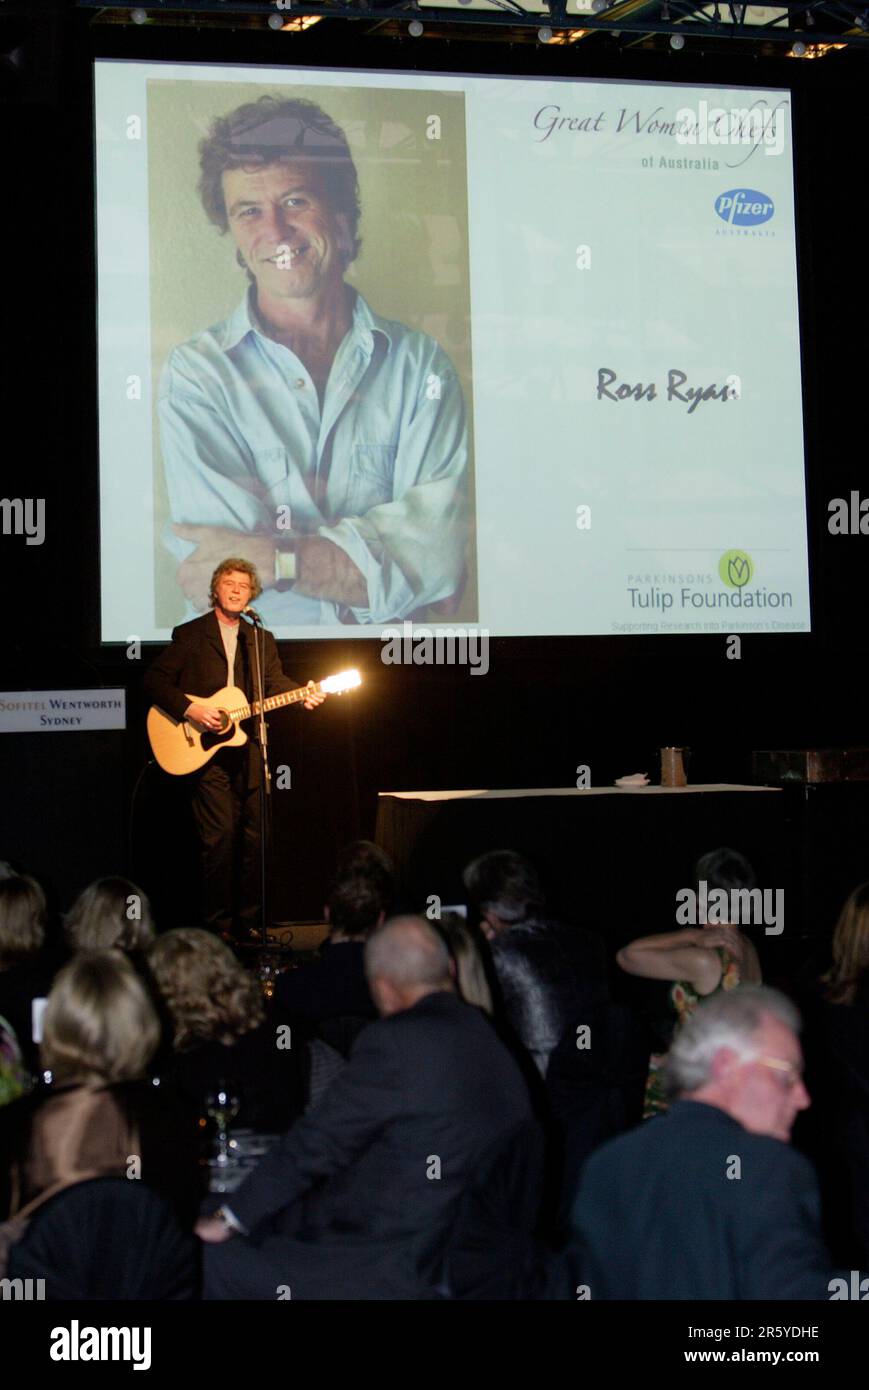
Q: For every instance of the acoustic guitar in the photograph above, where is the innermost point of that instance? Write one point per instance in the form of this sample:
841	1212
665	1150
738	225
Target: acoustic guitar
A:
182	745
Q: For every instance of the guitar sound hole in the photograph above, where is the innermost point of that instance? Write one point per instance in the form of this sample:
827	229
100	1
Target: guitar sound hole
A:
212	737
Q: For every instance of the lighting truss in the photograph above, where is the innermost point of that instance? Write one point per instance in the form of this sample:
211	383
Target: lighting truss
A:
818	28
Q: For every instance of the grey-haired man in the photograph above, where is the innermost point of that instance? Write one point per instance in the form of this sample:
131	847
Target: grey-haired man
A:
710	1201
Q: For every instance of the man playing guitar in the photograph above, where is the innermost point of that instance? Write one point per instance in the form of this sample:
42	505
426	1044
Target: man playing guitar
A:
209	653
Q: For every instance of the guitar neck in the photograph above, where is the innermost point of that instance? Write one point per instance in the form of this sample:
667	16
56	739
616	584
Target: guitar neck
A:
287	697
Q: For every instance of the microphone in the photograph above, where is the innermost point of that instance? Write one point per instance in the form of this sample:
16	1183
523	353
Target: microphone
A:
252	614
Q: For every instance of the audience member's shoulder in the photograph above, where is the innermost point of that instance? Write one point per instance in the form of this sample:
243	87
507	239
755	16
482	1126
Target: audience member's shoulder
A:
546	938
763	1159
609	1160
434	1012
546	930
518	938
687	1135
772	1160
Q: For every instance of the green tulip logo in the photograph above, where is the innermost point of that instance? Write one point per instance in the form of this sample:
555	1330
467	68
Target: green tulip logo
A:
735	568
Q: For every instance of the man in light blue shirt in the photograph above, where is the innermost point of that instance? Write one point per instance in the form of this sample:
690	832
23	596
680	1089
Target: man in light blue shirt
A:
324	444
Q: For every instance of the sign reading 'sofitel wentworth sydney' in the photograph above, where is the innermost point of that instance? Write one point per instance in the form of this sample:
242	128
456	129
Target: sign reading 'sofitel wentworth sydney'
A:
43	711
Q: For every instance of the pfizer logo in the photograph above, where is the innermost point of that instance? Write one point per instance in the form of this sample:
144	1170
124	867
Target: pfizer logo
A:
744	207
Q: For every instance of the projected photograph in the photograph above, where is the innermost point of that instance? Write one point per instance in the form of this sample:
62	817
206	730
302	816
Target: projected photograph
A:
516	353
311	350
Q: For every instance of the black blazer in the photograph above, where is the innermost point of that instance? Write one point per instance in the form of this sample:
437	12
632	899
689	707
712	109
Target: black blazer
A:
381	1164
332	987
657	1215
194	663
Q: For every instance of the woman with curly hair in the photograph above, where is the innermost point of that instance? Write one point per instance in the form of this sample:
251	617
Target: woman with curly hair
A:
219	1032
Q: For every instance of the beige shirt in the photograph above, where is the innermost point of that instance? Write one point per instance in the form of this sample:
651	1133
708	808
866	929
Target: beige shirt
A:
230	643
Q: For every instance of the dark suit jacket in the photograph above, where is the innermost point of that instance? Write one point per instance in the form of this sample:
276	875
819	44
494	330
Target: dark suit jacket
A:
658	1217
332	987
551	978
194	663
381	1165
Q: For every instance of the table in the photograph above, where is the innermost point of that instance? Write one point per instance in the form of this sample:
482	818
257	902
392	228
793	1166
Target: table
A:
611	857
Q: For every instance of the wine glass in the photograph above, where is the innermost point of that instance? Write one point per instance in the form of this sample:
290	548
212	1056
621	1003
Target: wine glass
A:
222	1105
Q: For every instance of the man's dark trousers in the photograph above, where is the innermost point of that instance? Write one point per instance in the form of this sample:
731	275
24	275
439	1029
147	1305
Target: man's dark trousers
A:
227	811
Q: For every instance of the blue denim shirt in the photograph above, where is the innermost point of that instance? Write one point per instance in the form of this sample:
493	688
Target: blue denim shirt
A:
243	434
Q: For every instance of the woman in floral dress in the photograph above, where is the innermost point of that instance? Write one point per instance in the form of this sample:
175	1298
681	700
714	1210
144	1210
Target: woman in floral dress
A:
700	961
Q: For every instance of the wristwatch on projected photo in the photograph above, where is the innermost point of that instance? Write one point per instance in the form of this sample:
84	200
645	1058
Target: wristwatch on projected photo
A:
285	559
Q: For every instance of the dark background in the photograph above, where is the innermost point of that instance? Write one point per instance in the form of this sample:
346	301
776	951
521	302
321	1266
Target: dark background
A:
68	806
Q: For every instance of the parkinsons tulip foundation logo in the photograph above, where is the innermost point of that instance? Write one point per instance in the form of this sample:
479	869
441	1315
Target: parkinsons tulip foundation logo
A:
735	569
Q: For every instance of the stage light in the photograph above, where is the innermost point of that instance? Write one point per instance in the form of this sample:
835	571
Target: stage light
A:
599	5
799	49
275	21
138	16
414	28
677	42
345	680
544	34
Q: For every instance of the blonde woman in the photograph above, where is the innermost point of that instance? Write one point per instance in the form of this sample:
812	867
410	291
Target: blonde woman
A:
470	971
101	1115
220	1032
110	913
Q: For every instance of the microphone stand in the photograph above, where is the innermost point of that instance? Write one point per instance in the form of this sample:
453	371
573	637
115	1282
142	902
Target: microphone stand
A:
265	785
